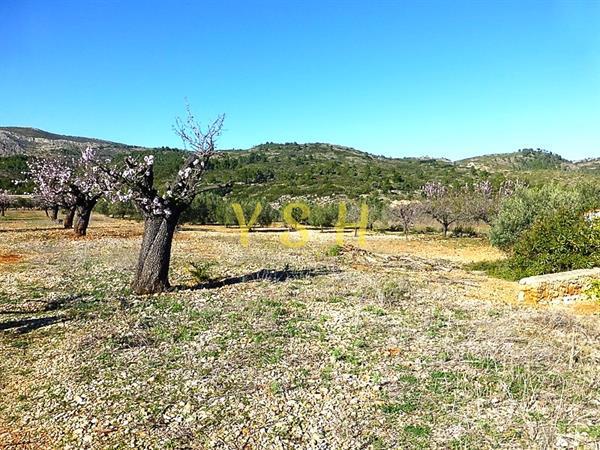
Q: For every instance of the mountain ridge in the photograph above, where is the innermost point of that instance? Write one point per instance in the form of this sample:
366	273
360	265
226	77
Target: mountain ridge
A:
313	169
36	136
30	141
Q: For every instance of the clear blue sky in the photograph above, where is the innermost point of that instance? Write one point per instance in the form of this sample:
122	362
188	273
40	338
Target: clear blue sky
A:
440	78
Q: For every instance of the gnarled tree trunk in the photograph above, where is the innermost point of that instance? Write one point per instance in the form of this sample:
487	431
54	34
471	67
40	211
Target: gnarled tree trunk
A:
152	274
69	217
54	213
84	212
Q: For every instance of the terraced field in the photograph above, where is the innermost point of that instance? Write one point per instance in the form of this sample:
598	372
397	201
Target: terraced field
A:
325	347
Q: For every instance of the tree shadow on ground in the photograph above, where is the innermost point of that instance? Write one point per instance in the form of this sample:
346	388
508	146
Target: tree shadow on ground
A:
26	325
42	306
265	275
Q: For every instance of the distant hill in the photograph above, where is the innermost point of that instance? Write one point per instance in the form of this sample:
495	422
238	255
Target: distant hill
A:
320	169
588	165
33	142
524	159
271	170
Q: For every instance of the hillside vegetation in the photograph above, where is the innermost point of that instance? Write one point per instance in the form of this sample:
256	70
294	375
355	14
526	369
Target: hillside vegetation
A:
272	170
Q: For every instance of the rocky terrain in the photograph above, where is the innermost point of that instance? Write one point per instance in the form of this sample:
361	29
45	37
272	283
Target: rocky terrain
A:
390	346
33	142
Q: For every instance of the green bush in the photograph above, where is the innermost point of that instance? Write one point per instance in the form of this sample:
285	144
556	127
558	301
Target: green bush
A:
464	230
334	250
520	211
560	242
323	216
593	292
500	269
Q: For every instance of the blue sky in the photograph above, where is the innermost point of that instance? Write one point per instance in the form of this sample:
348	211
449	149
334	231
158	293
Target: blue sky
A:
400	78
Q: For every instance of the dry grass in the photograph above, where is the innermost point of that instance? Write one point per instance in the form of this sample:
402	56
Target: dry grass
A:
395	347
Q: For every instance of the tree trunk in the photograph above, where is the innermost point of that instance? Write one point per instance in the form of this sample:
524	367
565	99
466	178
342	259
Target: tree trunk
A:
84	212
46	211
83	220
68	222
2	212
152	275
446	226
54	213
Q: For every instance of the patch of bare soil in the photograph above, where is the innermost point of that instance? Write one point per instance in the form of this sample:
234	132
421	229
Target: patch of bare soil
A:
452	249
10	258
19	439
587	308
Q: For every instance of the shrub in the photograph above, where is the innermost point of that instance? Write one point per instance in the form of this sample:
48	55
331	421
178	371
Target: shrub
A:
560	242
201	271
593	292
323	216
519	212
464	230
268	215
334	250
500	269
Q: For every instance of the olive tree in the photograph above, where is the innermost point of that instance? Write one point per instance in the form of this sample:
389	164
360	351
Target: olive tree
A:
161	211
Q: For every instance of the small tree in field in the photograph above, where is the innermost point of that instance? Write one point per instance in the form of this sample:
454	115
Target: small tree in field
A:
407	213
444	204
76	187
51	178
4	202
162	211
87	187
323	216
483	202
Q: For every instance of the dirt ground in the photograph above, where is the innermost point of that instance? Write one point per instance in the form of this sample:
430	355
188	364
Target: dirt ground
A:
393	345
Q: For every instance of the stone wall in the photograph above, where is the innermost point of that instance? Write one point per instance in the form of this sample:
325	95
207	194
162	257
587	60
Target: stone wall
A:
558	288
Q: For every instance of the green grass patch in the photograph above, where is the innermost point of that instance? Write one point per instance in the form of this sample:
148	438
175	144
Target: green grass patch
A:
396	408
501	268
418	430
334	250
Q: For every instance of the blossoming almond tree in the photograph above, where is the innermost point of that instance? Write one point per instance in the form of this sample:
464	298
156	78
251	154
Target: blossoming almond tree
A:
484	202
77	187
51	178
406	212
444	204
88	185
161	211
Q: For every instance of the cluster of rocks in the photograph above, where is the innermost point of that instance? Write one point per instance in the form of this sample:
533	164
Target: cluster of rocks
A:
558	288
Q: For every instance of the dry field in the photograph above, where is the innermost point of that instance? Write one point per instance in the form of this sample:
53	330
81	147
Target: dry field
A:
394	346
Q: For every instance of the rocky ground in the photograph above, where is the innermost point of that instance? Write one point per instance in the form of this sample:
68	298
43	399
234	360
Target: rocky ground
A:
321	347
